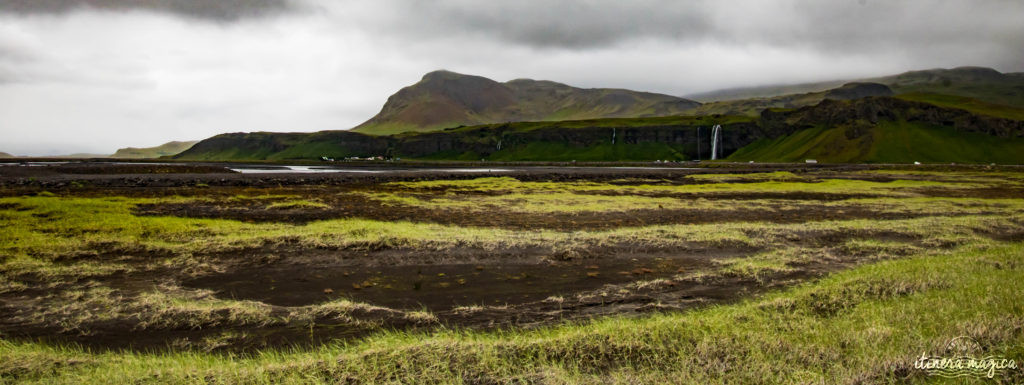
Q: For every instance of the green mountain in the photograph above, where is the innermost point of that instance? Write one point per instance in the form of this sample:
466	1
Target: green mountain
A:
870	129
889	130
984	84
980	83
977	118
966	103
762	92
887	142
754	106
977	89
6	155
166	149
444	99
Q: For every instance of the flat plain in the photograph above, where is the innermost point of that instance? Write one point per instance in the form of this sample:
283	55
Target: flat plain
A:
723	273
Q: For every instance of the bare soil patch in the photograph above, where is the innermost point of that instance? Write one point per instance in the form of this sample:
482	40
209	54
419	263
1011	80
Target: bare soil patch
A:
357	206
437	287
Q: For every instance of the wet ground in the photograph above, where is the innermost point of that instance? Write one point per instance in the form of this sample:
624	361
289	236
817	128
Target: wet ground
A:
355	206
437	287
461	286
20	175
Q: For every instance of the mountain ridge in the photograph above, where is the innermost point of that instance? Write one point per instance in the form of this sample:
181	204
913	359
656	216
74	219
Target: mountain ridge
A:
934	80
443	99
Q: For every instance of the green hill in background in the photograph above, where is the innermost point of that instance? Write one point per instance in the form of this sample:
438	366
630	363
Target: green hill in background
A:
966	103
977	89
886	142
166	149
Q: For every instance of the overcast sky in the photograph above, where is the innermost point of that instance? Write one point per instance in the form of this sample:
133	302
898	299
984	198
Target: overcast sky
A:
96	75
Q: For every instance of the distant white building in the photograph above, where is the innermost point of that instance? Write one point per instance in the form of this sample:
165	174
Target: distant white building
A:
811	161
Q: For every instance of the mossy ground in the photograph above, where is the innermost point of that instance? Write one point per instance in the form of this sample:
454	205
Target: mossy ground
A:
887	290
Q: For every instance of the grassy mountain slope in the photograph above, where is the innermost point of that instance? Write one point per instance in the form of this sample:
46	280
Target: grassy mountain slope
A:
966	103
980	83
887	129
761	92
6	155
445	99
754	106
886	142
976	89
984	84
166	149
607	122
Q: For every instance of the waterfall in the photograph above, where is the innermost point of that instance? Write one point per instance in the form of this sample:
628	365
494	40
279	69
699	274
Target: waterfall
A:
715	139
613	135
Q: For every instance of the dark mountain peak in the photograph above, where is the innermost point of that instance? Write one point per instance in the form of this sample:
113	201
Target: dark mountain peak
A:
978	71
946	76
443	74
444	99
534	83
857	90
454	84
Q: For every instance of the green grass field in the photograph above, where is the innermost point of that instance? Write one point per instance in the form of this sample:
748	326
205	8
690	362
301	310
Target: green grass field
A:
866	324
891	264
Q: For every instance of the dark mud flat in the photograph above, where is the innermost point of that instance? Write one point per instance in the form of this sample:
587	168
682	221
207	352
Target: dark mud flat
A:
114	175
359	207
435	287
105	168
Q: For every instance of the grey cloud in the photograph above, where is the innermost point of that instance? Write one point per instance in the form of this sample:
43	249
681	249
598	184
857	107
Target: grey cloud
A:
10	60
846	26
143	72
549	24
212	10
574	24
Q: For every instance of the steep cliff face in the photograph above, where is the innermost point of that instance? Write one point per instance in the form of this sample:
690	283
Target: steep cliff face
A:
854	126
679	142
487	141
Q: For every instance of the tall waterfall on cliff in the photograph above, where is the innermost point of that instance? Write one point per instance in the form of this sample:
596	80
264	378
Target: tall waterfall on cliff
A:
715	139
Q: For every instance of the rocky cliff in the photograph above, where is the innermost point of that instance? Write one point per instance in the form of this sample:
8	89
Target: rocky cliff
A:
676	136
